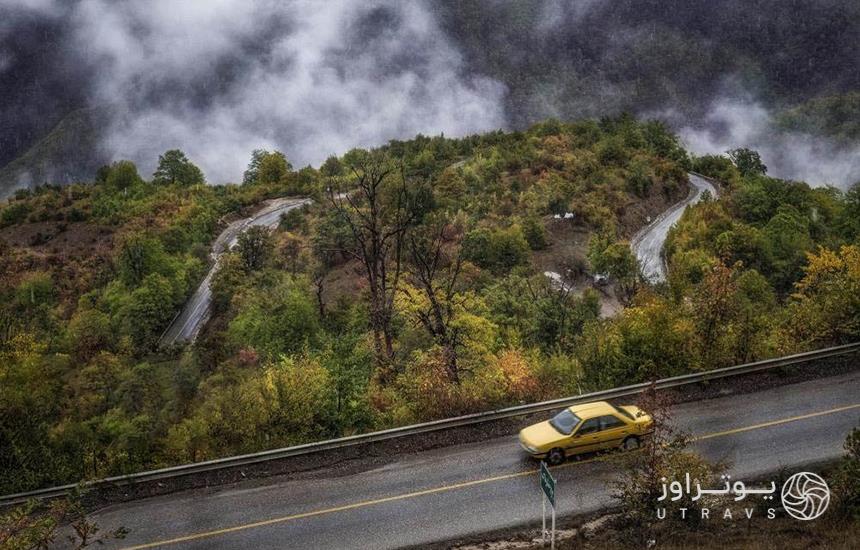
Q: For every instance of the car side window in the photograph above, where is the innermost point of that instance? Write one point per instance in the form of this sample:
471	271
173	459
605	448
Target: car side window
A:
610	421
589	426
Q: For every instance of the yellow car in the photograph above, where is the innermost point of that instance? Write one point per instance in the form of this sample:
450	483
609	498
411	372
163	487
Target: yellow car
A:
586	428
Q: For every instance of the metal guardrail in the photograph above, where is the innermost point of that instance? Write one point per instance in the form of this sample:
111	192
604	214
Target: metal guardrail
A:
436	425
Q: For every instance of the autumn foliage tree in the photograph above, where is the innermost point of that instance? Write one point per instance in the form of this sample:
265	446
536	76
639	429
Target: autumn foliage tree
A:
825	307
375	206
664	457
434	269
714	305
412	288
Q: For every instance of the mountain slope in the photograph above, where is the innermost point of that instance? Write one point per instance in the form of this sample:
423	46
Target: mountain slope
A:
70	152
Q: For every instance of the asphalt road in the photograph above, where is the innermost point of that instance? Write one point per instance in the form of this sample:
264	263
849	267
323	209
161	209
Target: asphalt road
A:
455	491
187	324
648	243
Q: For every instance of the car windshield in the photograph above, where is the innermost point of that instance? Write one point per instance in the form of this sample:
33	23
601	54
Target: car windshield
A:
624	412
564	422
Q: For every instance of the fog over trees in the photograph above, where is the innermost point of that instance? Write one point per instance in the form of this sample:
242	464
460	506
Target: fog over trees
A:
219	80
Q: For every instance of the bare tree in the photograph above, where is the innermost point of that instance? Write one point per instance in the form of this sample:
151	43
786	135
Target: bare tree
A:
378	215
319	290
435	274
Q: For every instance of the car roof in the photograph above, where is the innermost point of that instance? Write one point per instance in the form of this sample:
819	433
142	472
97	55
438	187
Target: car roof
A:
597	408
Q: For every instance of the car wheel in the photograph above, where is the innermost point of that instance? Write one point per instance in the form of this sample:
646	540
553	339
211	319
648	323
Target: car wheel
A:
555	456
631	443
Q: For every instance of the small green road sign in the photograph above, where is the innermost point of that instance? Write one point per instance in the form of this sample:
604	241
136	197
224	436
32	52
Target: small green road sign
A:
547	483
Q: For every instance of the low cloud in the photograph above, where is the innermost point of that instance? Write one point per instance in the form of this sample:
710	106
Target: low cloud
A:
221	78
732	123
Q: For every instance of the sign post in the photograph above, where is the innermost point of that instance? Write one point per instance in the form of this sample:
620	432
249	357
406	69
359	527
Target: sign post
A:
547	485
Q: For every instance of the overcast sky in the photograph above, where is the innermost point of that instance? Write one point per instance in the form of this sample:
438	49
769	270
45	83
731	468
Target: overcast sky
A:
219	78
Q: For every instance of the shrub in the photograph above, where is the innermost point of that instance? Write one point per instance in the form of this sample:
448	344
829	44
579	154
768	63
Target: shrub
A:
498	250
847	483
535	233
15	212
89	332
664	458
286	403
283	319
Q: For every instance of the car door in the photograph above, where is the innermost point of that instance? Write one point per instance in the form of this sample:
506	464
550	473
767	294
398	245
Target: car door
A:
586	439
612	431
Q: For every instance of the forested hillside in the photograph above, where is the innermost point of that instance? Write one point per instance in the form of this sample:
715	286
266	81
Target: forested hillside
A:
589	58
411	289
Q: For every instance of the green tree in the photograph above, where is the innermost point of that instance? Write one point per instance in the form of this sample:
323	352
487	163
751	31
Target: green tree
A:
498	250
35	290
274	167
251	173
255	246
716	166
649	340
35	297
616	260
748	162
28	407
639	180
332	167
559	317
278	320
349	362
849	218
102	173
535	233
174	167
266	167
149	310
788	241
228	279
662	142
140	255
122	175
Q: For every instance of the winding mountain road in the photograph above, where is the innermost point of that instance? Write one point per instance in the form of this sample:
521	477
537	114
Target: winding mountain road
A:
461	490
648	243
187	324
